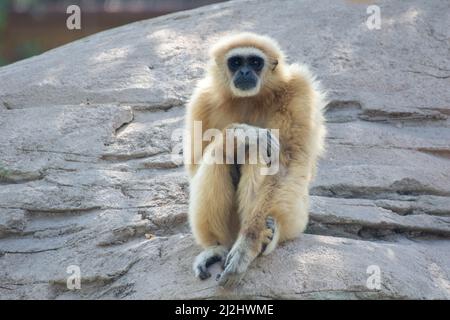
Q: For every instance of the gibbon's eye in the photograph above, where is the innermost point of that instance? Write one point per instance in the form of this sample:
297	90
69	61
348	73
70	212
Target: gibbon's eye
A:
235	63
257	63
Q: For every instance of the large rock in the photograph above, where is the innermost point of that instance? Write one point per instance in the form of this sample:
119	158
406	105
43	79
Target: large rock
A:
87	177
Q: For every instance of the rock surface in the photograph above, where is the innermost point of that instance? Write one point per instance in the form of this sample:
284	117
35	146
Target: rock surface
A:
87	177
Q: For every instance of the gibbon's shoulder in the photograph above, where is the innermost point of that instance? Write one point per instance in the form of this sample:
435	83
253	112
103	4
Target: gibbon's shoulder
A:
201	90
301	79
300	74
204	98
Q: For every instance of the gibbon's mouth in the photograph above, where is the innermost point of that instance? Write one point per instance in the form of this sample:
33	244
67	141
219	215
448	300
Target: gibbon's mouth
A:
244	85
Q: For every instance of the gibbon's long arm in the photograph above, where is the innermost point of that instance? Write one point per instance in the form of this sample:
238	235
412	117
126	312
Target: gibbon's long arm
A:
296	130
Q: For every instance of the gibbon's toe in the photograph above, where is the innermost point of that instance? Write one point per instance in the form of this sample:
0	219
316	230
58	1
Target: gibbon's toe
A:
202	273
206	258
270	236
236	264
202	269
230	280
231	275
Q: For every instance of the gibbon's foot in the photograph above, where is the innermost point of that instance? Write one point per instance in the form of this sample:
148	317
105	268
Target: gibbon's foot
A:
206	258
270	237
236	263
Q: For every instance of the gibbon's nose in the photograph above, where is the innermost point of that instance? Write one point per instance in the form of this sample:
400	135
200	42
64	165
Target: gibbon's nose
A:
245	71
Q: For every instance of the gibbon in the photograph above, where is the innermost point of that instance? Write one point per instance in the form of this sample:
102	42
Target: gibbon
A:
235	212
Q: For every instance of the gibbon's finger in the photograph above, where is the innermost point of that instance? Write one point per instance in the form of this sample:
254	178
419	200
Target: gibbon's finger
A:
233	125
246	134
274	143
270	142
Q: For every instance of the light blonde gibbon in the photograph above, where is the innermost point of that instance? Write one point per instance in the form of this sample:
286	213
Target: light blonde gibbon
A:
235	222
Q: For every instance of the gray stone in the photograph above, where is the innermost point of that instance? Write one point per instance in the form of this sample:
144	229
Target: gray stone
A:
87	177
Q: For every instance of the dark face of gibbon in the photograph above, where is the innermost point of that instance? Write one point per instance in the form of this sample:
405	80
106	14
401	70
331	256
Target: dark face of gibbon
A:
245	66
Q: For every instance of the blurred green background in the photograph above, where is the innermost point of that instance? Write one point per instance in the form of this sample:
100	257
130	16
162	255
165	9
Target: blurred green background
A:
30	27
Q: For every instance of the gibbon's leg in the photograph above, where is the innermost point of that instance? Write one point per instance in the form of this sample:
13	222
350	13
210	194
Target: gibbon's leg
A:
211	205
248	189
290	203
258	232
254	227
293	217
212	213
270	212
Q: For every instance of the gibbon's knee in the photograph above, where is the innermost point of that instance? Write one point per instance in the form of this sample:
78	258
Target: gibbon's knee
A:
294	221
211	205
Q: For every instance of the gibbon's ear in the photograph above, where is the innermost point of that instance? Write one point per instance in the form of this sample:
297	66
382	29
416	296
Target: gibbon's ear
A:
274	64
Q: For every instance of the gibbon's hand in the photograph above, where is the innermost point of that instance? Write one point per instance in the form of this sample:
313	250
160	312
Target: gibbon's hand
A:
261	136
